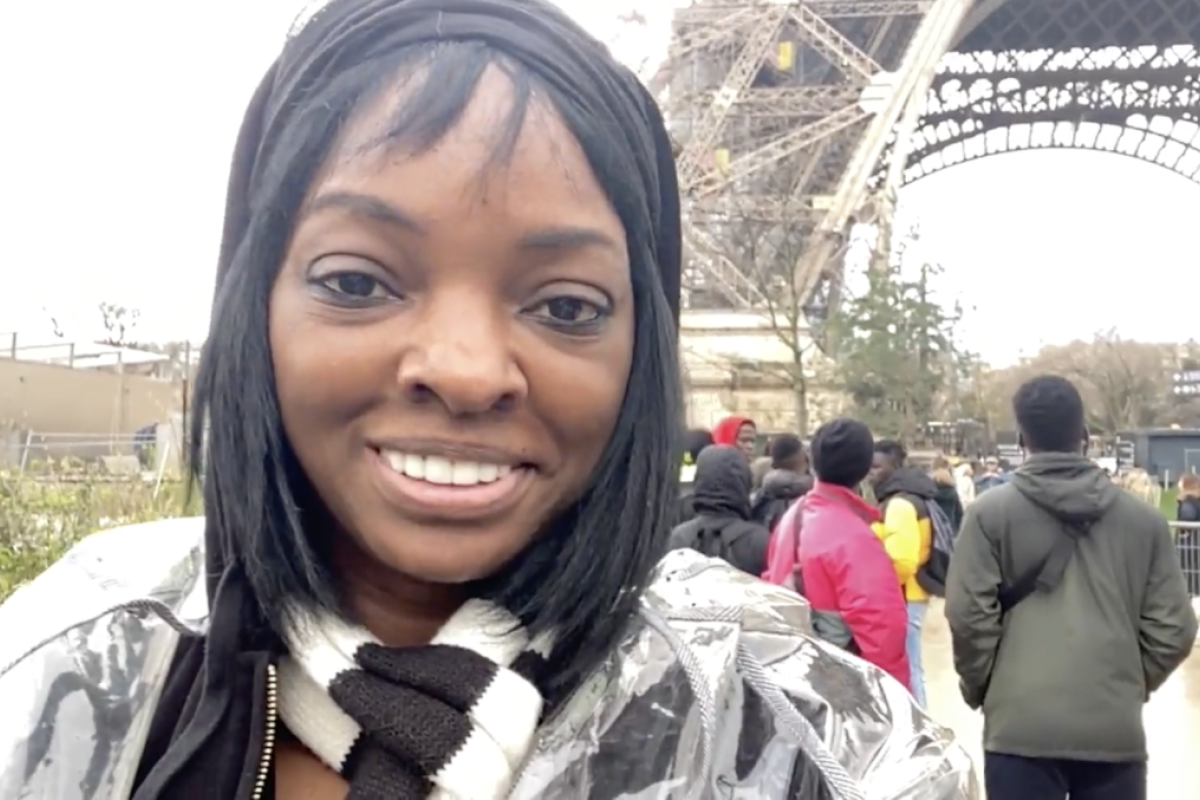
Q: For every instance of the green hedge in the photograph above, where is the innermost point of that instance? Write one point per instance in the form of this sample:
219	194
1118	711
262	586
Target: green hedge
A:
42	517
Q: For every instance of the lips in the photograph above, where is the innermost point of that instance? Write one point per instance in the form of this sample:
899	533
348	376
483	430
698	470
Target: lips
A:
441	488
444	471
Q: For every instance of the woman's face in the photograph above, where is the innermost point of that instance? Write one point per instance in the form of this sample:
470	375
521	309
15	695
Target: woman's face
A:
452	335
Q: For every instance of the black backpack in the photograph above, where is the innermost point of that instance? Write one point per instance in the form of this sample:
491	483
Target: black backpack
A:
931	576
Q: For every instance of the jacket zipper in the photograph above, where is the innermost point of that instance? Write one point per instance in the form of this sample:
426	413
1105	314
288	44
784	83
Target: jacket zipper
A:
268	748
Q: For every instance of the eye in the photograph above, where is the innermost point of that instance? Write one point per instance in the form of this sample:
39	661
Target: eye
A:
352	287
570	313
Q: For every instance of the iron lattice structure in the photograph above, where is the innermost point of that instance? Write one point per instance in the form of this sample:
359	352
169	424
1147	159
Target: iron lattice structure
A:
811	115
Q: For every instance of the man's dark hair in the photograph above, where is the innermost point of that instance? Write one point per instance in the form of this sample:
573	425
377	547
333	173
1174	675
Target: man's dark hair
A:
894	451
695	440
1049	413
842	452
263	517
785	448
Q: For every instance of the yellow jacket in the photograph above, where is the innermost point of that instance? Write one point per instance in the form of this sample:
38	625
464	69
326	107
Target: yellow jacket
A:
907	537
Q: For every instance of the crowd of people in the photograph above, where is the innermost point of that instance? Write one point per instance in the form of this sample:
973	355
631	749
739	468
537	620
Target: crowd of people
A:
1064	594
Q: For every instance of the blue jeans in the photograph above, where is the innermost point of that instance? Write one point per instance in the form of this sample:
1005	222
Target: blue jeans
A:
912	647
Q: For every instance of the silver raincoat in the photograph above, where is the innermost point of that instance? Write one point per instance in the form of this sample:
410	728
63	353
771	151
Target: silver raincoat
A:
718	695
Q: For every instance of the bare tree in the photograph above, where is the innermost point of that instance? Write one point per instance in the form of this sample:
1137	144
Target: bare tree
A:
119	323
1124	383
763	247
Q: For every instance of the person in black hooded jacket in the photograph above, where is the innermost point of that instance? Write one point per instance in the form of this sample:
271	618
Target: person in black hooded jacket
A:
787	481
722	527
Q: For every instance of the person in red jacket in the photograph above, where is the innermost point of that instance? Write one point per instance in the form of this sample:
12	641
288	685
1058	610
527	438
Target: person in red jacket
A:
843	569
741	432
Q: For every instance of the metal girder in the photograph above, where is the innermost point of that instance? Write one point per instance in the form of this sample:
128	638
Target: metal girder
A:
984	104
758	207
844	9
830	42
829	9
769	154
931	40
732	281
703	136
791	101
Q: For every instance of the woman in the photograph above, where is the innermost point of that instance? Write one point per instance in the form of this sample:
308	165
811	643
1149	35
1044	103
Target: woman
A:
441	393
1187	510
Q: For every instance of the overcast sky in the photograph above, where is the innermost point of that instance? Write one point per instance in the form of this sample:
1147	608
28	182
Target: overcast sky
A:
114	178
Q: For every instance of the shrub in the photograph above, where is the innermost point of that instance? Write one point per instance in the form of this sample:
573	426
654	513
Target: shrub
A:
42	517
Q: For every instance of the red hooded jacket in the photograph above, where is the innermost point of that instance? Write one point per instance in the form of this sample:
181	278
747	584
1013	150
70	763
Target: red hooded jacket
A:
726	431
847	572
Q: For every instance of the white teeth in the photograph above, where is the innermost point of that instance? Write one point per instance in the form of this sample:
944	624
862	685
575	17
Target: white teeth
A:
435	469
414	467
438	470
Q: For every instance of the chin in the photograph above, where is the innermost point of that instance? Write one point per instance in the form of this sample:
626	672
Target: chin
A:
446	561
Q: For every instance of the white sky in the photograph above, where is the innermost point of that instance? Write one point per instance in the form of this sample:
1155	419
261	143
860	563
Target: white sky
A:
124	114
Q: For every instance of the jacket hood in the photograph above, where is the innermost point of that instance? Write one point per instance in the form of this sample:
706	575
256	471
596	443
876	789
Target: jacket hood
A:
1069	486
726	430
723	482
906	480
784	484
945	492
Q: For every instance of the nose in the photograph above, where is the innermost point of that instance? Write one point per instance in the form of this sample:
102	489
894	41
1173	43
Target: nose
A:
462	357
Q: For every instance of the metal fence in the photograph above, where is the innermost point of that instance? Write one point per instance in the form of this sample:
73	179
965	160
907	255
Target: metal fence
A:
1187	546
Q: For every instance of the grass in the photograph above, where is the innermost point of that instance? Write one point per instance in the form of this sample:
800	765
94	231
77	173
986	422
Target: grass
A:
41	518
1166	503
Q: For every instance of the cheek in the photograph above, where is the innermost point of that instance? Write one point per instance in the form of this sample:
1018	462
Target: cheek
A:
323	377
584	395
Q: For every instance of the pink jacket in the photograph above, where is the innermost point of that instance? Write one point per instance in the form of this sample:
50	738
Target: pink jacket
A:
847	576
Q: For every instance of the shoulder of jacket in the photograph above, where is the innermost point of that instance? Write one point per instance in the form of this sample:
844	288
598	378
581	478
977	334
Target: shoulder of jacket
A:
1138	514
996	497
160	563
691	586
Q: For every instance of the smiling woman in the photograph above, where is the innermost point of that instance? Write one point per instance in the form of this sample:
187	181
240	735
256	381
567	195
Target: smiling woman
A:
442	404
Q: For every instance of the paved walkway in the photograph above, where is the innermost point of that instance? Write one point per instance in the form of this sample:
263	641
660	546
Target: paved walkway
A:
1172	717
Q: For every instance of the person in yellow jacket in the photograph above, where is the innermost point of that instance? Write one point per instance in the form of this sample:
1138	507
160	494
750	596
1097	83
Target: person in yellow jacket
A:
904	494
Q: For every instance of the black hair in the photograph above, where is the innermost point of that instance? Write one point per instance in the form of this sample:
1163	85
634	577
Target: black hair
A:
262	513
894	451
1049	413
784	449
695	440
842	450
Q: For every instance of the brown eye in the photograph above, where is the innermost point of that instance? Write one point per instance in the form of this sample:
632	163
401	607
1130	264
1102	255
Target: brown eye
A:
354	284
570	313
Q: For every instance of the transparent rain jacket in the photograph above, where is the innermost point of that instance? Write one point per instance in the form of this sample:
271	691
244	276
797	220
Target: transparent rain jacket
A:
717	694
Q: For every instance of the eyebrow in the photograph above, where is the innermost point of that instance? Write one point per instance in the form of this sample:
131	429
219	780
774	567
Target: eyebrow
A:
558	237
364	205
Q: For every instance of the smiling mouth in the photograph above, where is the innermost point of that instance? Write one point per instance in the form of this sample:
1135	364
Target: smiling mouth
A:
443	471
436	487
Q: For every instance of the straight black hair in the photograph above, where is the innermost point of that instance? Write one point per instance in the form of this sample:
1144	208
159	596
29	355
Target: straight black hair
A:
583	576
1049	414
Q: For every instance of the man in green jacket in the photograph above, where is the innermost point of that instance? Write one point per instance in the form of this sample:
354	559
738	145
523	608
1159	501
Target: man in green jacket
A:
1067	608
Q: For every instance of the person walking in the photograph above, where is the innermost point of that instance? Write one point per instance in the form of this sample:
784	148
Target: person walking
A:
1067	609
906	499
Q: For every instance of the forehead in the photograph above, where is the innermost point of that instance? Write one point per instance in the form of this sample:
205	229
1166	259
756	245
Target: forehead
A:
541	176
